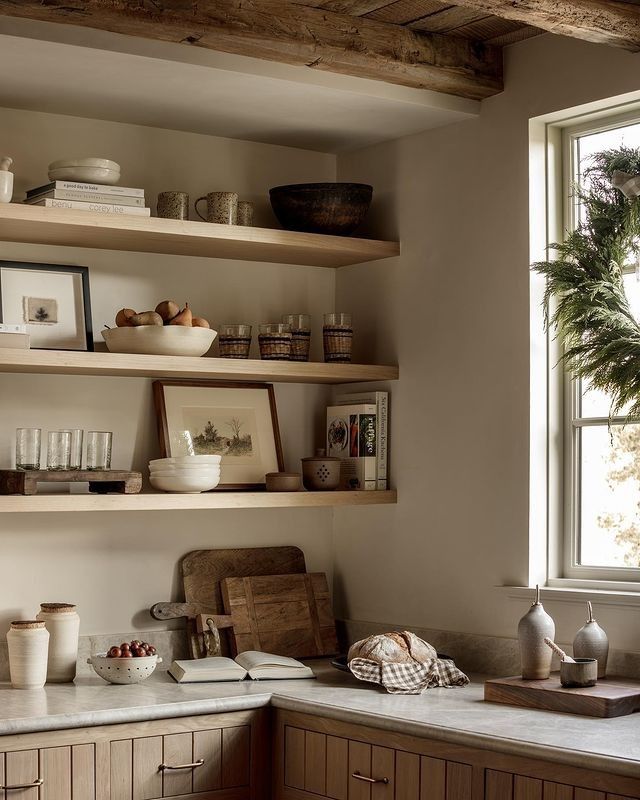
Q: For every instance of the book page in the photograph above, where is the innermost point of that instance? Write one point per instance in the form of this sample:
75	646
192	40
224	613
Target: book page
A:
251	659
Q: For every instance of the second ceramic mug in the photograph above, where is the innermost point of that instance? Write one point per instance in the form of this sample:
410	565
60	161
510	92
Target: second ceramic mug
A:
222	207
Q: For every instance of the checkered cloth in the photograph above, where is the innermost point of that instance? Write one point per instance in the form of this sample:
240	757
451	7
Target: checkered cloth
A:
413	677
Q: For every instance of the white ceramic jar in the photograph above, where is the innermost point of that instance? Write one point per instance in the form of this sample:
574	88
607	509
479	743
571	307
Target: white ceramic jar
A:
6	179
28	644
63	624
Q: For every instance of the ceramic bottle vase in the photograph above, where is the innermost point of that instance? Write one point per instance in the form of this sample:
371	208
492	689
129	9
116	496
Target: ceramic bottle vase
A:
6	180
28	645
535	656
63	624
592	642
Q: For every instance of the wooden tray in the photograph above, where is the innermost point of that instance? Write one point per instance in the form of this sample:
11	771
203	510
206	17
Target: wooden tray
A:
610	697
17	481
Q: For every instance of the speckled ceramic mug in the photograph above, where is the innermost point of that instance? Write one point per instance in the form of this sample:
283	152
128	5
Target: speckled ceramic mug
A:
222	207
173	205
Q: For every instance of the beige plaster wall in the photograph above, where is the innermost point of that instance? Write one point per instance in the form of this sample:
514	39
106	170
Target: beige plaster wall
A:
454	312
114	566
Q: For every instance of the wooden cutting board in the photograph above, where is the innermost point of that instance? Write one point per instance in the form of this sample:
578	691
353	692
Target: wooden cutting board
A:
610	697
202	571
285	614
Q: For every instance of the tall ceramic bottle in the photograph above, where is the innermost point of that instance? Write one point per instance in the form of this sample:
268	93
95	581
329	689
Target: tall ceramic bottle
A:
6	179
592	642
535	656
28	645
63	624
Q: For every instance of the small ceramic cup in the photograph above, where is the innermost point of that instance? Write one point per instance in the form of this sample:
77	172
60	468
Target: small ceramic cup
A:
173	205
283	481
245	213
579	674
222	208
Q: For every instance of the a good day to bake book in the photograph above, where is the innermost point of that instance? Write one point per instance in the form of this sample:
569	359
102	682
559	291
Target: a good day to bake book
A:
252	663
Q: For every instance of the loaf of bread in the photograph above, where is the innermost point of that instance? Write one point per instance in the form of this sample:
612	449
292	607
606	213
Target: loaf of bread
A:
398	647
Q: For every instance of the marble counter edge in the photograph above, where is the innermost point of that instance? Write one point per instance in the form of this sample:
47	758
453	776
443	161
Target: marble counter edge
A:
118	716
483	741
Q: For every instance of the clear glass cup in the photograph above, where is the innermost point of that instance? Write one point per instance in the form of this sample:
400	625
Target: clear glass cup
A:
28	442
75	457
234	340
182	444
300	325
99	445
58	450
275	341
337	337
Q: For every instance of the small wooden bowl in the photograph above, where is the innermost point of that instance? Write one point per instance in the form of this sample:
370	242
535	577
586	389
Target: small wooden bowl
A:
582	673
283	481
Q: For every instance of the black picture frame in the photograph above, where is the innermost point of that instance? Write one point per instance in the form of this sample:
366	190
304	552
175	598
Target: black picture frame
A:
63	269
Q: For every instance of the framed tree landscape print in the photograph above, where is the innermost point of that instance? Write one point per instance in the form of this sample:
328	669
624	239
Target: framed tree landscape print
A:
237	421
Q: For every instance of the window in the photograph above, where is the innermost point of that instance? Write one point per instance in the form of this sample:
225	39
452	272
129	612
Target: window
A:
602	456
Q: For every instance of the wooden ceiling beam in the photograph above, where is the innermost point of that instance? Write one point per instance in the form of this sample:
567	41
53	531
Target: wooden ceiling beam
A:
603	21
294	34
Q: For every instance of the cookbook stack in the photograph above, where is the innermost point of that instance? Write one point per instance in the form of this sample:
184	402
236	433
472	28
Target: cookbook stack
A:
78	196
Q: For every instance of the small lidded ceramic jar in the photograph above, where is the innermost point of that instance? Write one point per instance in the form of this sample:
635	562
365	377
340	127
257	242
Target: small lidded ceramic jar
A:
28	645
63	624
321	473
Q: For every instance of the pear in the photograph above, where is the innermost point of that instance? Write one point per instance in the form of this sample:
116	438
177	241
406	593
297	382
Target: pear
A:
146	318
167	310
185	317
200	322
123	317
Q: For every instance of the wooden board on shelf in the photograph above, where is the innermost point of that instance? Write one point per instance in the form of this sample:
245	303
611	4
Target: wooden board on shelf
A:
610	697
67	228
25	482
148	501
60	362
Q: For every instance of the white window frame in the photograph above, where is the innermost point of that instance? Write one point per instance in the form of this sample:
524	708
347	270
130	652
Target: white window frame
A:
564	571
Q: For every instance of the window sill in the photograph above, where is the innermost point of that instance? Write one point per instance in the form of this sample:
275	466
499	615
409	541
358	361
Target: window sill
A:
573	594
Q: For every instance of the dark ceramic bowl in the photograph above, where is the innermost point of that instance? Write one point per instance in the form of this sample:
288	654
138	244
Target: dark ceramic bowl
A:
333	208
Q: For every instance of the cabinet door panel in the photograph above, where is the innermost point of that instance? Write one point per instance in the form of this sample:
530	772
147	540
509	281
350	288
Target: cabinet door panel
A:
589	794
458	781
557	791
498	785
236	756
294	757
121	769
2	776
22	767
360	762
315	762
433	778
83	772
147	778
407	776
337	768
207	745
383	766
178	749
55	770
527	788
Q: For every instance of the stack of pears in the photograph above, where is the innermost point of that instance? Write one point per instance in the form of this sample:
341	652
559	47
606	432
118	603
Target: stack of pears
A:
166	313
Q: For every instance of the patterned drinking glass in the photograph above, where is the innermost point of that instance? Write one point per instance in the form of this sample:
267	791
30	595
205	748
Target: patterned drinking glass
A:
28	448
300	325
99	449
58	450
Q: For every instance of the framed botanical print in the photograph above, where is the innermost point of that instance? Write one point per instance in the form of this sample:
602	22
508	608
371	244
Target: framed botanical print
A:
237	421
52	301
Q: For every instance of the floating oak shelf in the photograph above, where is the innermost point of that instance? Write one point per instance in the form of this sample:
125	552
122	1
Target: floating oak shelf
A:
58	226
59	362
185	502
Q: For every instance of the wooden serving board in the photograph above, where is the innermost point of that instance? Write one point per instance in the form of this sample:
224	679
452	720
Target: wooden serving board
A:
17	481
610	697
285	614
202	571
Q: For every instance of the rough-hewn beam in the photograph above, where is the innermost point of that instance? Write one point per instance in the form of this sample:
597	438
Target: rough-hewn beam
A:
603	21
294	34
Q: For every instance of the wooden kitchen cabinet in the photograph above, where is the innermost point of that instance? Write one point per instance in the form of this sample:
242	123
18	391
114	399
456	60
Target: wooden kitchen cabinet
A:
48	773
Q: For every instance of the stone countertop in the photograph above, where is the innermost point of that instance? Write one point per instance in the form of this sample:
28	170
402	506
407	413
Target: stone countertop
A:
459	716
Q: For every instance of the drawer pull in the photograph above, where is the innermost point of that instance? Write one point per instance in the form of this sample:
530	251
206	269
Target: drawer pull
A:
37	782
198	763
360	777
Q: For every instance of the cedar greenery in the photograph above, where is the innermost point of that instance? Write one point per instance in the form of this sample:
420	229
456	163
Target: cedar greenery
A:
591	312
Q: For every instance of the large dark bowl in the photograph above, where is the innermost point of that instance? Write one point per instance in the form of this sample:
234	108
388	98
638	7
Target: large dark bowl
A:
334	208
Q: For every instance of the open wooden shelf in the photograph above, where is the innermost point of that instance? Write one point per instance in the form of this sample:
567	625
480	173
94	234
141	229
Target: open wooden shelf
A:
50	503
59	226
59	362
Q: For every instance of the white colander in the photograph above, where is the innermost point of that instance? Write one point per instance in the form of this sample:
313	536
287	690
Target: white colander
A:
124	670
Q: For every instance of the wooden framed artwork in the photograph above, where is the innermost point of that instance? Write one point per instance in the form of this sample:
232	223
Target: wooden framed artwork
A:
237	421
51	300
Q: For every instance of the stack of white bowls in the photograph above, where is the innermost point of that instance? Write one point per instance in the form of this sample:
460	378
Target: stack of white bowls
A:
187	474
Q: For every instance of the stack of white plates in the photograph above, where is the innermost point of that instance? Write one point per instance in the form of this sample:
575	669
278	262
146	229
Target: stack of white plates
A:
188	474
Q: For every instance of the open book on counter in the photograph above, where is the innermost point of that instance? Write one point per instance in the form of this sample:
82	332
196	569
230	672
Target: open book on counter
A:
251	663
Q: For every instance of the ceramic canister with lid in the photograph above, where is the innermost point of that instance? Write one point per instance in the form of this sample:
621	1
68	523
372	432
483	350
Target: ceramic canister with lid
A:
63	624
28	645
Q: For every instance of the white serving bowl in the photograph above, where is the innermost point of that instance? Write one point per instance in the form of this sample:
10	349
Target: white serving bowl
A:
124	670
173	473
185	461
186	468
184	484
85	170
153	340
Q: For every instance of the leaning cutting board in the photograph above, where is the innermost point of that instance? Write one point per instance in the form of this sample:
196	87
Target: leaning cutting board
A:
611	697
202	571
285	614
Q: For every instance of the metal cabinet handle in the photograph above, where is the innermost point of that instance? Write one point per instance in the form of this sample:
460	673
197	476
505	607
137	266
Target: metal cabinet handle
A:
37	782
195	764
360	777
